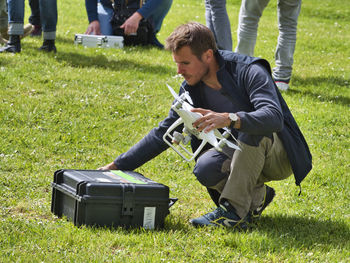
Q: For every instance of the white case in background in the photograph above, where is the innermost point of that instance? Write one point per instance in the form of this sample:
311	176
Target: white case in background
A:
99	41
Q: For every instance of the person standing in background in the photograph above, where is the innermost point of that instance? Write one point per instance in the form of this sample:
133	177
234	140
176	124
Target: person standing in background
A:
288	13
16	17
4	24
218	22
34	18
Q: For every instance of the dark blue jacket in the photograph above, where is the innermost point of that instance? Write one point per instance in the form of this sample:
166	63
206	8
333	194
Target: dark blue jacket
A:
247	82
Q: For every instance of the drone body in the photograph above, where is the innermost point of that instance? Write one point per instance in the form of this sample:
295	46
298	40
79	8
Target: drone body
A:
187	118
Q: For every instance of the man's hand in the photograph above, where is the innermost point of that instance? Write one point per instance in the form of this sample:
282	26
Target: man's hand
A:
110	166
131	25
93	28
211	120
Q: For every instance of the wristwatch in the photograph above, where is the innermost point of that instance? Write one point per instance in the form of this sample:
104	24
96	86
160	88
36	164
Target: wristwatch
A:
233	117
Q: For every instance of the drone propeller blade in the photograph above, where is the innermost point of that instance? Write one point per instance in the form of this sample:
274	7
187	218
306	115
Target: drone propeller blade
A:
188	98
173	93
232	145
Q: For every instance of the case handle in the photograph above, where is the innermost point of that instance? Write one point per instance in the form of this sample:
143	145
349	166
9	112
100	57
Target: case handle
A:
172	201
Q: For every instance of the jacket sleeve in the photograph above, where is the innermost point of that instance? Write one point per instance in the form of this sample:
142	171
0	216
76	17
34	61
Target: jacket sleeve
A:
148	147
266	116
149	7
91	10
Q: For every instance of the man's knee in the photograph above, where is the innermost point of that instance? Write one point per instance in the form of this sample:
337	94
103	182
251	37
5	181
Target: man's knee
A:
209	168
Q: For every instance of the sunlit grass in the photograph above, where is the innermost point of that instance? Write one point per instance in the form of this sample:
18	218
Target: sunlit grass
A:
81	107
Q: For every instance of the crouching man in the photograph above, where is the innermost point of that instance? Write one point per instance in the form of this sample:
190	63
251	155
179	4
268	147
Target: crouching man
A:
235	91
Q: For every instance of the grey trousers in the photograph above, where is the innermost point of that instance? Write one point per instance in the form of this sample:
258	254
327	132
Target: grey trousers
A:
240	179
288	13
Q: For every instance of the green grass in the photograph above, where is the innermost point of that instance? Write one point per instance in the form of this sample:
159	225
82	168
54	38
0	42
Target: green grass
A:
82	107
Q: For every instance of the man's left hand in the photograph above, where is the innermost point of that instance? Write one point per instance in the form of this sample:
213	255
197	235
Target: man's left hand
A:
211	120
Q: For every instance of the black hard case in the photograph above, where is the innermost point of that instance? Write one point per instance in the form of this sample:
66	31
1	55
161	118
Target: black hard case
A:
103	198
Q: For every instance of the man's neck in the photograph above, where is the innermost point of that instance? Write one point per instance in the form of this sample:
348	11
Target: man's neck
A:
211	79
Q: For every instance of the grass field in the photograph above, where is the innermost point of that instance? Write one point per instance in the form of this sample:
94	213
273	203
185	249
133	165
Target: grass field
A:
81	107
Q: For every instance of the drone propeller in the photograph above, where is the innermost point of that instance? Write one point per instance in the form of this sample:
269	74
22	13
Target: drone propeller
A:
177	97
232	145
173	93
188	98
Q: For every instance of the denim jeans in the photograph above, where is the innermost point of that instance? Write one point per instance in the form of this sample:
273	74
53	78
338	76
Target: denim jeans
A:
218	22
34	18
48	12
288	13
105	15
3	15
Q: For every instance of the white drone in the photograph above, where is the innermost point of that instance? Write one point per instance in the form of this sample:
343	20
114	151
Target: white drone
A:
187	117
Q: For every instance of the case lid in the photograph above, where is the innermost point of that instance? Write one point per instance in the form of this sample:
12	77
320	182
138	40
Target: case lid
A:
106	183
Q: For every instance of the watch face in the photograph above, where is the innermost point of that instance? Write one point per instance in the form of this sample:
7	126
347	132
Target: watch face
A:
233	116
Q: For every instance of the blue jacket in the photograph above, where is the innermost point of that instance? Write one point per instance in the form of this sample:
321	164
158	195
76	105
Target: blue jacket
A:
247	82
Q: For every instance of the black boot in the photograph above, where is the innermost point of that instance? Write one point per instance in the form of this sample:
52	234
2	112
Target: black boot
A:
13	45
48	45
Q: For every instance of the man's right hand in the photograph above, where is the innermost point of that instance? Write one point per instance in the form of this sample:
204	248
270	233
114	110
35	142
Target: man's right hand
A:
110	166
93	28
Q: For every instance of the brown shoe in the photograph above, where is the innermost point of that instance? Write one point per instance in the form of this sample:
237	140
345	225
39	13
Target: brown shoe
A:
3	40
27	29
4	34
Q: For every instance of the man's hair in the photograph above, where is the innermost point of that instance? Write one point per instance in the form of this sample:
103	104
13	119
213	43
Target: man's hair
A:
195	35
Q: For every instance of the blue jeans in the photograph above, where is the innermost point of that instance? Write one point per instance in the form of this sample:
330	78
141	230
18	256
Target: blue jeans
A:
105	15
288	13
218	22
48	12
34	18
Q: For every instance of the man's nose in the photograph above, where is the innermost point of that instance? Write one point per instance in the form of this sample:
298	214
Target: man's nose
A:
179	69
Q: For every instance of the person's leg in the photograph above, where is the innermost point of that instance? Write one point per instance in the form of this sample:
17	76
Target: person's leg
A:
218	22
250	169
208	18
34	17
277	167
104	17
3	22
3	16
211	168
16	16
48	16
249	16
288	13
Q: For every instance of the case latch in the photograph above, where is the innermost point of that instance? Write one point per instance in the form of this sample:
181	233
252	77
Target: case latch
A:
128	200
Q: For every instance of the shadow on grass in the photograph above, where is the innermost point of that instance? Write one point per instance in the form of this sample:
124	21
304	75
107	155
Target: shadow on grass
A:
318	94
101	61
301	232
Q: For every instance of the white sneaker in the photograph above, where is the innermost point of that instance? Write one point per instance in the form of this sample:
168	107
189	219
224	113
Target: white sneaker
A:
282	85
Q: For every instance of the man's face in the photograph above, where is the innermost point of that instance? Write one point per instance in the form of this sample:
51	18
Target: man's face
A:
189	66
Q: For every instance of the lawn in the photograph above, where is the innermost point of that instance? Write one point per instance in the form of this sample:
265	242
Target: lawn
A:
81	107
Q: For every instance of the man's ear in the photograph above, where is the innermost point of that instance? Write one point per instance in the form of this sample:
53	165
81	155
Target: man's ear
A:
208	56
